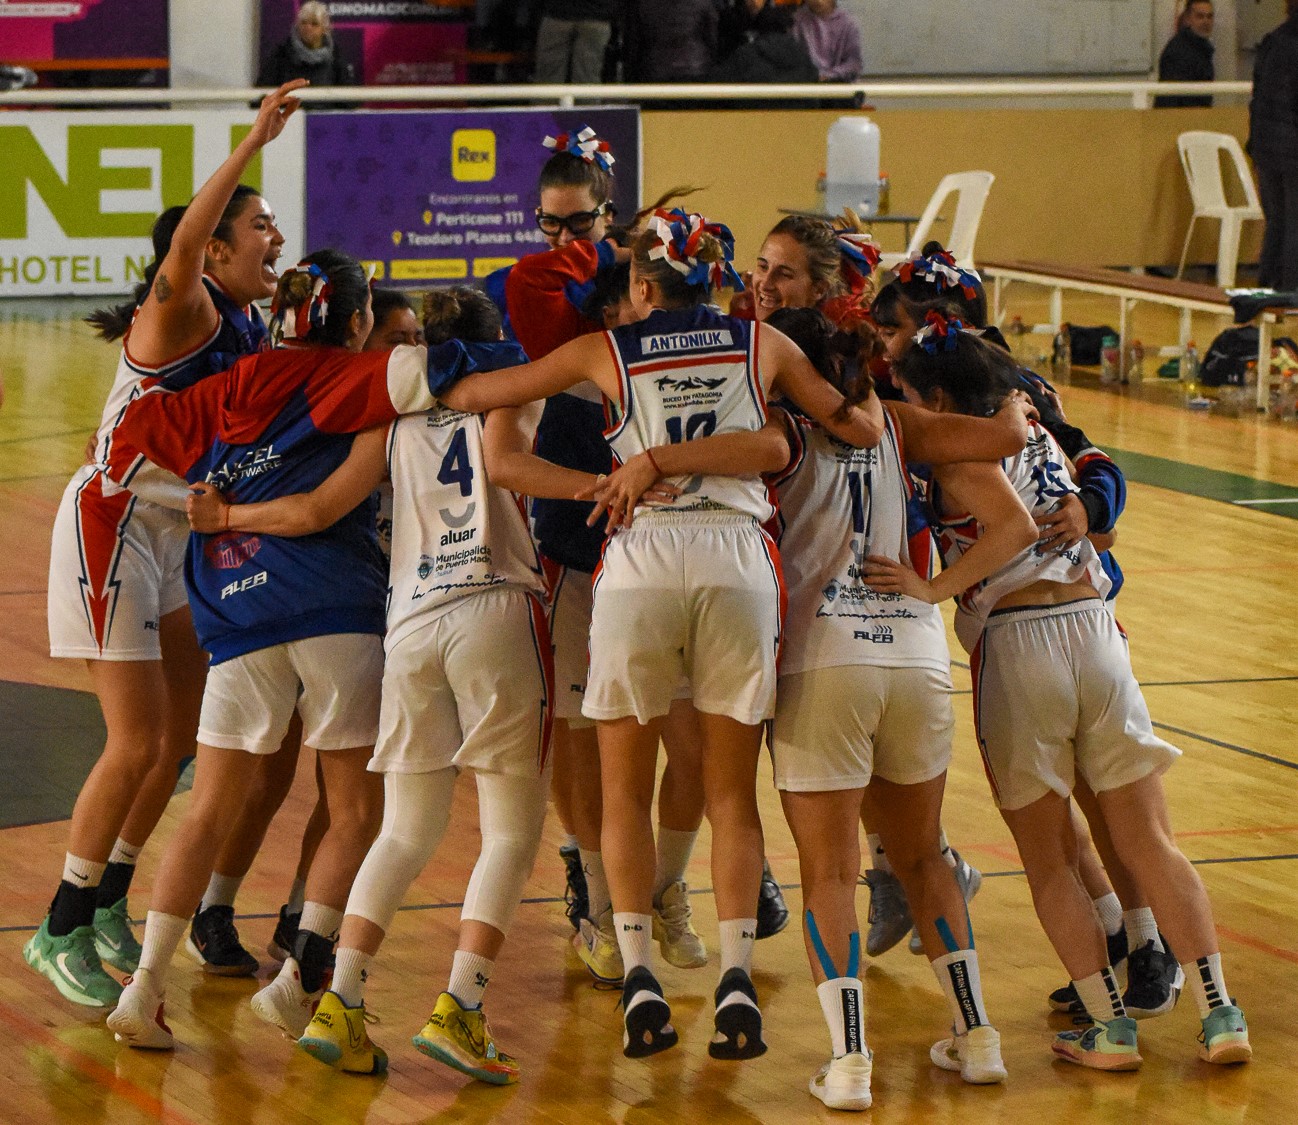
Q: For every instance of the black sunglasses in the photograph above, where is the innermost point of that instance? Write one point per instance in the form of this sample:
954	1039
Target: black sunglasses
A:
579	222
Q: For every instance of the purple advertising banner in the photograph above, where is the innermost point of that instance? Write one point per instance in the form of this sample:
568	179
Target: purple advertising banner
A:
37	31
389	42
447	195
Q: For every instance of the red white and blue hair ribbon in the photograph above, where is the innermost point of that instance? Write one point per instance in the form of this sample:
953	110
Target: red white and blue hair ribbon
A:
940	270
939	332
679	235
294	322
860	257
584	144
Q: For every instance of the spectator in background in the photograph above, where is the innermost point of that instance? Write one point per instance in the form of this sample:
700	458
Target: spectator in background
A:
832	38
572	39
774	54
1188	55
737	24
308	53
1273	145
673	40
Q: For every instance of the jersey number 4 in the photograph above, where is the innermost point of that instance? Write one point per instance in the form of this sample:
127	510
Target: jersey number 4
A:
456	466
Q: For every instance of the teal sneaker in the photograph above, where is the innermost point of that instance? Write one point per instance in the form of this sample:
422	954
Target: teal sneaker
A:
72	966
1224	1038
1102	1046
114	939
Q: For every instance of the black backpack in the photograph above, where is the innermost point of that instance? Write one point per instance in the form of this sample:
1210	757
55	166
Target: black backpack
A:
1231	352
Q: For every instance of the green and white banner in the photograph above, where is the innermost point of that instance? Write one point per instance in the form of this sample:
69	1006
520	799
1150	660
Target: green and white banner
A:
79	190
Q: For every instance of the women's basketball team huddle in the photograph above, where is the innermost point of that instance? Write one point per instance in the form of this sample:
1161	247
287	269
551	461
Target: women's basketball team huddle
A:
617	518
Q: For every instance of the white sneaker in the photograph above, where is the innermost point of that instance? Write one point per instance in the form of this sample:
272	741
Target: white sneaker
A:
844	1083
976	1055
285	1003
137	1020
674	932
597	947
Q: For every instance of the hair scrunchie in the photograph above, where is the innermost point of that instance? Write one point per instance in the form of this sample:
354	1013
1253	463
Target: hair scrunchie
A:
294	322
584	144
940	270
679	234
939	332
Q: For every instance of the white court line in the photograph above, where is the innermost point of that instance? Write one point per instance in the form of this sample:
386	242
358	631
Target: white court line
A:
1274	500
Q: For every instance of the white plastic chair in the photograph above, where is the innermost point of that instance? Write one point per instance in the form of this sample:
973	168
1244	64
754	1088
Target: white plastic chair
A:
972	189
1201	159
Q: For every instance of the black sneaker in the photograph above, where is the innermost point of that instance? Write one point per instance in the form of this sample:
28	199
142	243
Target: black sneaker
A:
214	941
281	944
1154	982
772	913
1066	999
574	894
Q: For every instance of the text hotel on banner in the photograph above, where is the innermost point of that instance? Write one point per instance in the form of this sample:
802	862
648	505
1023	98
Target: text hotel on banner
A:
449	195
79	191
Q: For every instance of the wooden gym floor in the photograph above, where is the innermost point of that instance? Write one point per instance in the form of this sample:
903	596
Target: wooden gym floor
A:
1209	607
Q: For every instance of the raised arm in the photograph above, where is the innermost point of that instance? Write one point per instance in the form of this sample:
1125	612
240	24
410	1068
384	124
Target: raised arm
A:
983	490
544	292
791	372
177	313
940	439
303	513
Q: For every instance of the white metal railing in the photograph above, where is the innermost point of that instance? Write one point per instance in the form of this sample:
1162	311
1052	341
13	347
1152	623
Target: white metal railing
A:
1140	92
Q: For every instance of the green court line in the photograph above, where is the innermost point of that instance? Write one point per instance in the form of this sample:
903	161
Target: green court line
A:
1211	484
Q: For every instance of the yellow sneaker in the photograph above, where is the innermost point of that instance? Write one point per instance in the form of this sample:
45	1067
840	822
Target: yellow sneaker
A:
336	1035
461	1039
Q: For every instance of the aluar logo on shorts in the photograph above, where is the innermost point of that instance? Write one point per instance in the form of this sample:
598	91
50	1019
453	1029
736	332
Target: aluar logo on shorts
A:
473	154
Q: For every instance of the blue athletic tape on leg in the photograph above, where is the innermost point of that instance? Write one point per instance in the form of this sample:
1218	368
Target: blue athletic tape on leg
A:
948	938
826	961
853	954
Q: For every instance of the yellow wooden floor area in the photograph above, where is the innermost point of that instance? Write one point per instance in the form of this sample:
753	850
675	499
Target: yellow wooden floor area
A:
1209	605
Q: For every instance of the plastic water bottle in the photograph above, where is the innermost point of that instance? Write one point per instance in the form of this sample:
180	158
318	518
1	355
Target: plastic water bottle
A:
885	194
1109	357
852	166
1061	357
1136	363
1190	364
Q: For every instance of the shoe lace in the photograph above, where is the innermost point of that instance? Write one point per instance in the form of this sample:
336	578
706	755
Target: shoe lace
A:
575	897
885	898
1146	965
221	931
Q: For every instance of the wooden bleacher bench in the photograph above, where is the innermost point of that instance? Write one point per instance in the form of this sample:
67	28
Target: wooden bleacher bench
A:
1129	289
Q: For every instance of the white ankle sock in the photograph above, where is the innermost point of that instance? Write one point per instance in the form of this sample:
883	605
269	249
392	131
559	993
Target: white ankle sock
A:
961	982
82	873
351	970
470	975
221	891
1100	993
124	853
737	937
296	896
674	850
1141	927
634	933
1204	979
163	934
843	1003
570	841
592	866
321	919
1109	910
878	857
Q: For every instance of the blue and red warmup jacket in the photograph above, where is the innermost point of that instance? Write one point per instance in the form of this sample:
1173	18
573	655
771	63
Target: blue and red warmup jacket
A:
275	424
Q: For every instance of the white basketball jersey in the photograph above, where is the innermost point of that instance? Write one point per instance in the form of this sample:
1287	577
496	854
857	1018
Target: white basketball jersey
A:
453	533
685	374
839	504
1039	474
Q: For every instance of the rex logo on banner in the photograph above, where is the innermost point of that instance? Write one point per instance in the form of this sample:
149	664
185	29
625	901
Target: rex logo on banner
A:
79	191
